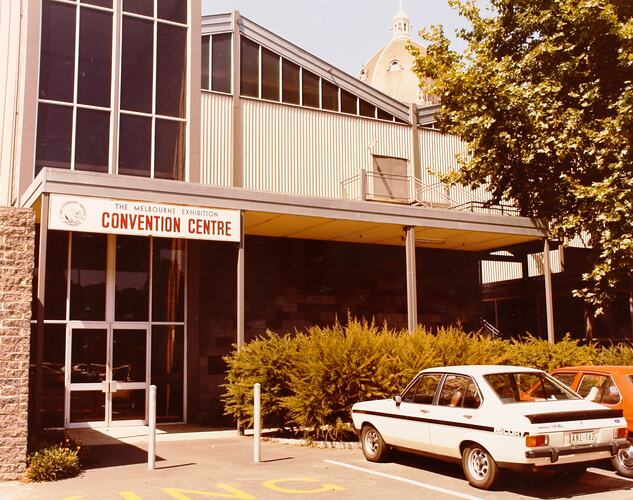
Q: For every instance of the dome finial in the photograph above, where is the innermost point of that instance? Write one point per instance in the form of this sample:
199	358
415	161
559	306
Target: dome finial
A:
401	26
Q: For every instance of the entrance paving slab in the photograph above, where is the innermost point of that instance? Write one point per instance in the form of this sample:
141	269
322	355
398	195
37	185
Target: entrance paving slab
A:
224	468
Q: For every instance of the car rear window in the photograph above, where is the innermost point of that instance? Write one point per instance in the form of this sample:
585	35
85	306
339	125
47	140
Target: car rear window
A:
527	387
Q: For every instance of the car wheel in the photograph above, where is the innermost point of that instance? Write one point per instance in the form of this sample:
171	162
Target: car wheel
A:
479	467
374	447
623	462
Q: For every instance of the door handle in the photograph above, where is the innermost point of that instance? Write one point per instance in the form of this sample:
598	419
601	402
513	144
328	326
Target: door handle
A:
467	416
424	411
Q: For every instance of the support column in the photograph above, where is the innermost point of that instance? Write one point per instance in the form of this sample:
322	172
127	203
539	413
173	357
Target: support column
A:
549	301
39	330
240	286
415	142
237	139
412	299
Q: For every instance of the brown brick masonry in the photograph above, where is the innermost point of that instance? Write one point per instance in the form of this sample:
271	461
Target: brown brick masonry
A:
17	237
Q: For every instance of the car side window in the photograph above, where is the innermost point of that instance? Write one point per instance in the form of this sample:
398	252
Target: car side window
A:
606	393
426	389
565	378
459	391
409	394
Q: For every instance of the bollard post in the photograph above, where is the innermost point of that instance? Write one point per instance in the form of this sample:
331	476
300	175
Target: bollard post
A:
257	416
151	437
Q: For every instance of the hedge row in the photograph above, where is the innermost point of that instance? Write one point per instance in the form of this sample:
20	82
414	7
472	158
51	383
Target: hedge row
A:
311	379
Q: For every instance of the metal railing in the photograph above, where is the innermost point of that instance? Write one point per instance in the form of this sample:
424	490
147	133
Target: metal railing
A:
483	207
489	328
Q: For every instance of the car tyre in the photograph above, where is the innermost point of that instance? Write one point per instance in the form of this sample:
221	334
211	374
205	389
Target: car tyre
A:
480	468
374	447
623	462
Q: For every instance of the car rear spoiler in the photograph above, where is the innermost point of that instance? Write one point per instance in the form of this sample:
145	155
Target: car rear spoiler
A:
546	418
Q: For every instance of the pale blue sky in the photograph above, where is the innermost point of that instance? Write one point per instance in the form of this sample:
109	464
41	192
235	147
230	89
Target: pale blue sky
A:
344	33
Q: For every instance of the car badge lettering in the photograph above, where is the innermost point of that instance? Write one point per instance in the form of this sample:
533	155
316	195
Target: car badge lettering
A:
508	432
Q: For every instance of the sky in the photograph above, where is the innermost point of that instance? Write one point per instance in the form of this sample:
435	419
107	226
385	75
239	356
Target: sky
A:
344	33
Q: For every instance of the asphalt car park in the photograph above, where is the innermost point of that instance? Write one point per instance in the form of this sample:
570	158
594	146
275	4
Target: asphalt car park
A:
224	468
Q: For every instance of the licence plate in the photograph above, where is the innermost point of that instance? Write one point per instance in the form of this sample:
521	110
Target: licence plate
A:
583	437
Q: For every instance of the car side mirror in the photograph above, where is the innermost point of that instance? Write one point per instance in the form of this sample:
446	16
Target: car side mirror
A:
398	400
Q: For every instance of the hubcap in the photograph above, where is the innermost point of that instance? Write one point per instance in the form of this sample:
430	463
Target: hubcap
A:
625	457
371	442
478	464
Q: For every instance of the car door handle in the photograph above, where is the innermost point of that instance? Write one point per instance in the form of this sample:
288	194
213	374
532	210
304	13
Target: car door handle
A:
467	416
424	411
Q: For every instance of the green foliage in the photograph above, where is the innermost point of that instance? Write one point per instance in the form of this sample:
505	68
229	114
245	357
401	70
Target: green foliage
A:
55	462
543	98
616	355
539	353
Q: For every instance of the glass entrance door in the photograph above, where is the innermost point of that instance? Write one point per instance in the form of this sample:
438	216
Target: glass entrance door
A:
107	374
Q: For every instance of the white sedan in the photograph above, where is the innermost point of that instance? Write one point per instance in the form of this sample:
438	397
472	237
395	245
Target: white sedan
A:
491	418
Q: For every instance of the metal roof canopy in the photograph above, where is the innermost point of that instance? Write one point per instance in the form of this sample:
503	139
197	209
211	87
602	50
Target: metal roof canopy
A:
303	217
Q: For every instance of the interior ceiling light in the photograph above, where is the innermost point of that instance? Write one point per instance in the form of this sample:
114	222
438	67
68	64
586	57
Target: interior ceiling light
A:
431	241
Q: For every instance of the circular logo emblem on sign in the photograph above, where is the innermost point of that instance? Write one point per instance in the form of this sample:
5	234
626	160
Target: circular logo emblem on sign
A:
72	213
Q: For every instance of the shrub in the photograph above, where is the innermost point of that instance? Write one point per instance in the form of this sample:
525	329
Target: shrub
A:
53	463
539	353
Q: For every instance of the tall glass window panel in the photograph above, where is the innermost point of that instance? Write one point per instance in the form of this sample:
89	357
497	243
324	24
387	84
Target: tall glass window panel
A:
383	115
88	276
53	382
171	70
137	56
310	89
168	280
221	63
131	300
100	3
204	68
349	103
168	348
57	55
143	7
249	68
169	160
290	81
135	143
270	75
92	140
95	58
329	96
56	275
173	10
366	109
54	136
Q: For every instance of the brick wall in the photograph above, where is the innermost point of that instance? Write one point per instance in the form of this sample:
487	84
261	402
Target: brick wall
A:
17	235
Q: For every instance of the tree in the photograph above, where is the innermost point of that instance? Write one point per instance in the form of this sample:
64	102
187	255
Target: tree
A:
543	98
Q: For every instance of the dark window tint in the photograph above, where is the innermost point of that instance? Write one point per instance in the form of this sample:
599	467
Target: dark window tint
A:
137	64
171	74
349	103
132	278
57	58
100	3
56	275
290	83
92	141
168	348
135	136
168	280
249	67
329	96
53	382
270	75
383	115
204	68
169	161
54	135
95	58
88	275
221	63
144	7
310	89
366	109
173	10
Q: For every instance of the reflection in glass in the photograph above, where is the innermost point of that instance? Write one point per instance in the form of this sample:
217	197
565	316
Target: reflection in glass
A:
57	55
135	138
310	89
87	406
88	355
168	280
221	63
88	276
56	275
204	68
171	74
92	140
168	371
249	68
143	7
132	278
95	58
128	404
169	160
329	96
129	352
173	10
290	82
54	136
53	383
270	75
137	54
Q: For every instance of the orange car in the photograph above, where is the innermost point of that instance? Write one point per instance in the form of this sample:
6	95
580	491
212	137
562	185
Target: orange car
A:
611	386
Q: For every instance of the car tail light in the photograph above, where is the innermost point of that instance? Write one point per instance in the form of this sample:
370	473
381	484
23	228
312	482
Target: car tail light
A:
538	440
620	433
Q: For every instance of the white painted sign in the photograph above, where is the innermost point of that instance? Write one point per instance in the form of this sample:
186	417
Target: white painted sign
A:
140	218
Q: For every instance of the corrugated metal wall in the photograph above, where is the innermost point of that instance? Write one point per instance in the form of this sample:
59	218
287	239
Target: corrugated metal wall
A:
215	144
494	271
301	151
